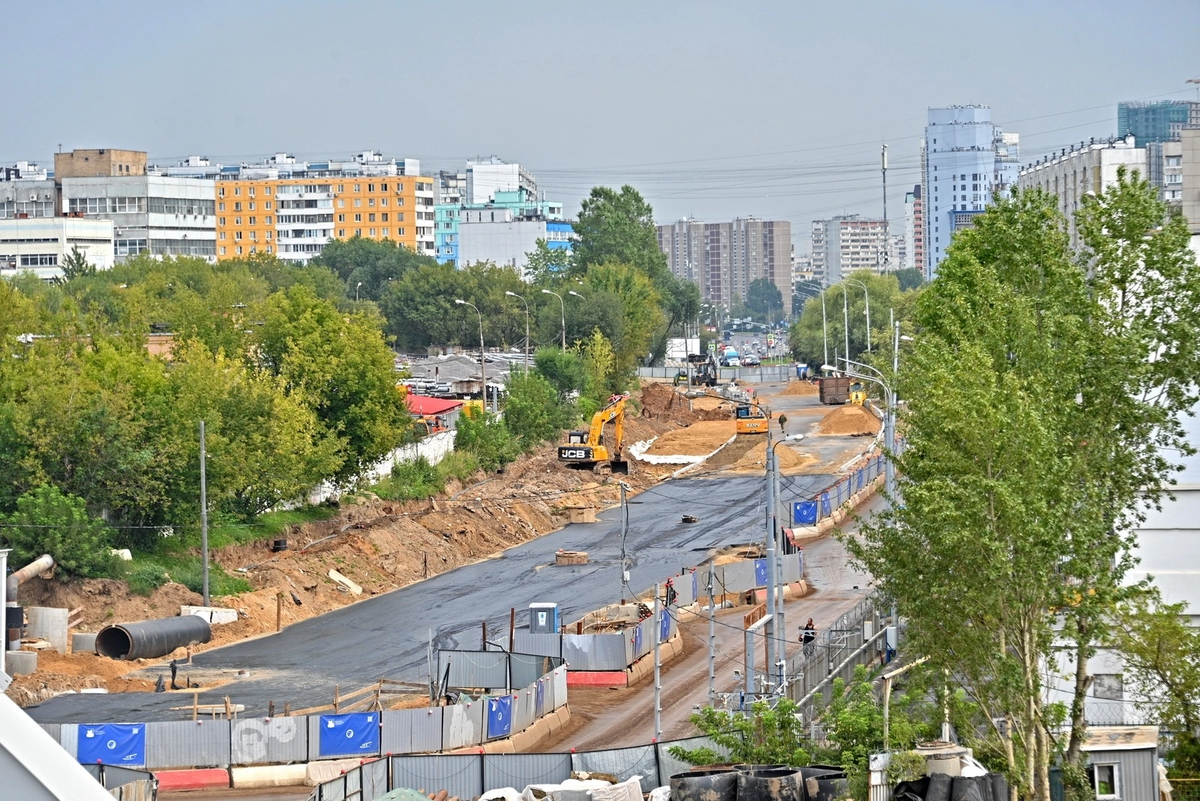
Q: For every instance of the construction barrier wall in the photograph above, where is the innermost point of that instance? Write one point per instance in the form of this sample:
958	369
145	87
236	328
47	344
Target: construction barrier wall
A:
264	741
829	500
125	784
765	374
469	776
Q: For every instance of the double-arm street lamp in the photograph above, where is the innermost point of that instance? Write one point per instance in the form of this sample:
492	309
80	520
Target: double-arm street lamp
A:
867	295
520	298
482	361
562	315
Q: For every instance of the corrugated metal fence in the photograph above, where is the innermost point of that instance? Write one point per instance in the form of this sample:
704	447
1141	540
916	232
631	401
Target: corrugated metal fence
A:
125	784
765	374
264	741
469	776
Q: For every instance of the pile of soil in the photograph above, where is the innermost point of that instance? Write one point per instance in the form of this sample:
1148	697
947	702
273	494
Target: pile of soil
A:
663	402
105	601
850	420
695	440
57	673
755	460
708	404
800	388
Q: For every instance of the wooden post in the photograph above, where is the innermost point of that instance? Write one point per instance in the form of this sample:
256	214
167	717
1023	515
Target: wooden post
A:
228	709
512	629
195	703
579	627
271	709
278	611
287	709
483	626
336	697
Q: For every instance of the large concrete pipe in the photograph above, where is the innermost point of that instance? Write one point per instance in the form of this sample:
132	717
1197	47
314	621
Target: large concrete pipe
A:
13	616
150	638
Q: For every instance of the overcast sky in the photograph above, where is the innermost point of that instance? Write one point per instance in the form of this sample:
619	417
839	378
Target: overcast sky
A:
714	110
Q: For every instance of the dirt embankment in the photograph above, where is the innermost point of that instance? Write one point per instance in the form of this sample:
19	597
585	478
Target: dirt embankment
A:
379	545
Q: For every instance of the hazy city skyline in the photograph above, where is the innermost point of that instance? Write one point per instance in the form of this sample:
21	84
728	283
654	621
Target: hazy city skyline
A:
776	110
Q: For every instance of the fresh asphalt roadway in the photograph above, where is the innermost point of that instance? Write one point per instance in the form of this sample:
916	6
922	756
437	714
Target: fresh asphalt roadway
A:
387	636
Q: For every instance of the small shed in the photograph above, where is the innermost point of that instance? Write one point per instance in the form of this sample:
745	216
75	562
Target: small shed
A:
445	412
1123	762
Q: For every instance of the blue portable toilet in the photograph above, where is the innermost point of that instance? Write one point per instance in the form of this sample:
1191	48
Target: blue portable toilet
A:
543	618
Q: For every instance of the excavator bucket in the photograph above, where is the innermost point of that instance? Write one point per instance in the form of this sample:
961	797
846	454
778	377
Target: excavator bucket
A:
620	466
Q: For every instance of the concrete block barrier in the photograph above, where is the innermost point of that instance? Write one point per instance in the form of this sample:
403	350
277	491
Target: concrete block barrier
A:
200	779
269	776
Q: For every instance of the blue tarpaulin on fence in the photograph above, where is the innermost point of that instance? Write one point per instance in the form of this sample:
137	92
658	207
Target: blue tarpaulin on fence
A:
499	722
804	513
664	627
760	572
113	744
349	734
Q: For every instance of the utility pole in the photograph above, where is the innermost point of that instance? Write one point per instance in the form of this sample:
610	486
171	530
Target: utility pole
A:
777	529
770	542
658	611
824	329
204	511
712	642
886	234
624	532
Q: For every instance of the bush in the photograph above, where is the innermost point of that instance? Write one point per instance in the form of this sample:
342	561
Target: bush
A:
48	521
488	438
411	481
459	465
145	575
534	413
562	368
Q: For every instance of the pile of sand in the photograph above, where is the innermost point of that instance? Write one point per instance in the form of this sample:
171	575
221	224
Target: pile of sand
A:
708	404
755	460
695	440
800	388
850	420
663	402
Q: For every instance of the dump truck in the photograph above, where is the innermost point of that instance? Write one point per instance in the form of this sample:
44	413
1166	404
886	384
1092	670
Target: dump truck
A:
834	390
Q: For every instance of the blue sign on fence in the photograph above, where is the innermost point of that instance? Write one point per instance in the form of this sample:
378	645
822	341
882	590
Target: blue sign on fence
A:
804	513
664	627
350	734
499	723
637	639
113	744
760	572
826	509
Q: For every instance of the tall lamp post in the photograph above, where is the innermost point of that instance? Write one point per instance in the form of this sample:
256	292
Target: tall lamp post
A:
867	295
562	315
518	297
845	315
482	362
357	287
775	544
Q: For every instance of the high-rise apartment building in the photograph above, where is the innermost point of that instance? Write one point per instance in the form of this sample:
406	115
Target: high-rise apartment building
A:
965	159
914	229
1190	182
846	244
1086	168
1156	121
723	258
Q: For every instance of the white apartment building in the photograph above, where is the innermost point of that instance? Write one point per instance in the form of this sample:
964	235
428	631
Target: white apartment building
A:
1084	169
846	244
505	238
39	245
486	177
156	214
965	160
27	198
723	258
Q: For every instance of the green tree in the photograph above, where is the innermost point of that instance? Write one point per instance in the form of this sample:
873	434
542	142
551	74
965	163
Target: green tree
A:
533	412
486	437
1161	655
769	735
764	299
340	368
546	264
420	308
563	369
371	262
641	315
618	226
910	278
47	521
75	265
603	375
807	337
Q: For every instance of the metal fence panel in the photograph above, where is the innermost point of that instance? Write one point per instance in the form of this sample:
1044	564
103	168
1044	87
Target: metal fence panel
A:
526	668
374	779
265	741
486	670
621	762
334	790
462	724
791	568
543	644
524	707
595	651
519	770
395	736
458	775
68	738
187	744
737	577
314	737
560	687
427	729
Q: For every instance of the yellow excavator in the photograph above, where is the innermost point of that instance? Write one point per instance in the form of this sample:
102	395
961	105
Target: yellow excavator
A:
584	449
858	393
752	418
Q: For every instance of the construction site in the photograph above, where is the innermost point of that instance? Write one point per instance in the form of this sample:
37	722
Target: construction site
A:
413	610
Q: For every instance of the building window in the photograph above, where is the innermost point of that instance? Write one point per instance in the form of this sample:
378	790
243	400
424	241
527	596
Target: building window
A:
358	187
341	203
268	238
341	233
383	217
221	234
267	219
341	188
268	248
372	232
221	207
254	236
251	190
237	235
370	187
267	191
385	233
237	190
399	232
251	205
371	217
358	232
1105	779
220	221
252	220
237	206
237	220
222	249
358	202
239	250
220	191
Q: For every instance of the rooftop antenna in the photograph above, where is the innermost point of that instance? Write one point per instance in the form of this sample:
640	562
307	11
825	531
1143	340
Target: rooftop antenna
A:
886	243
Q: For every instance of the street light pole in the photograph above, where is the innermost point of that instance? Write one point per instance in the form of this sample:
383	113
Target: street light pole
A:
356	288
515	295
562	315
867	295
824	328
780	621
482	362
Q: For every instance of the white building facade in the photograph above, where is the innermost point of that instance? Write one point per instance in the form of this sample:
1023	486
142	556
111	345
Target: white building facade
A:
39	245
486	177
849	243
1084	169
156	214
966	159
502	237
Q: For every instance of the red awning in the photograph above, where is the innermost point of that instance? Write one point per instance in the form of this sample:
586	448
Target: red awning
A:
424	405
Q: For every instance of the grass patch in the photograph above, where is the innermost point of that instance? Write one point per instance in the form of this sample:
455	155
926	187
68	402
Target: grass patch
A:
418	479
267	526
145	574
